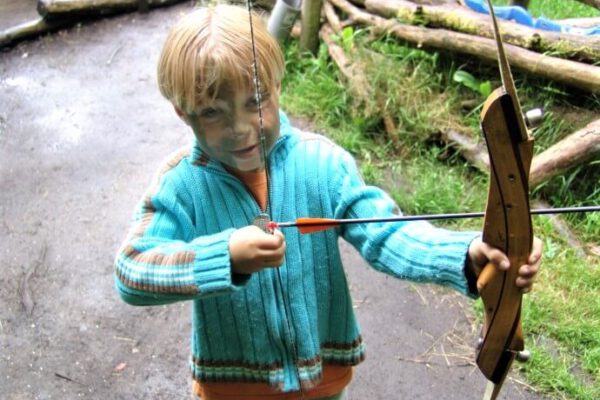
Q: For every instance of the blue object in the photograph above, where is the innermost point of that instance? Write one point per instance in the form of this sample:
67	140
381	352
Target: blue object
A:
522	16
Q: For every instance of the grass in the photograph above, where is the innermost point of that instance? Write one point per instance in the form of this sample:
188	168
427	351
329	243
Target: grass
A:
562	315
557	9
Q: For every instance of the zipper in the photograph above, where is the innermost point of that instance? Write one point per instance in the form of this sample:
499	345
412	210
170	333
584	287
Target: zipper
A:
290	367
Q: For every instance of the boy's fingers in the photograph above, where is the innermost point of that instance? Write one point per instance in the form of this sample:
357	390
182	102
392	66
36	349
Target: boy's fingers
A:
528	271
536	251
272	241
496	257
524	283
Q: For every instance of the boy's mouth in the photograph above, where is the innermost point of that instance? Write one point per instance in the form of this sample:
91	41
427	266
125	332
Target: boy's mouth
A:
246	152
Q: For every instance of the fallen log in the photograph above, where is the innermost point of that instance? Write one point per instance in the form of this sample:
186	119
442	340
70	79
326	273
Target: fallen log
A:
576	149
30	29
564	231
571	73
462	19
472	151
62	9
59	14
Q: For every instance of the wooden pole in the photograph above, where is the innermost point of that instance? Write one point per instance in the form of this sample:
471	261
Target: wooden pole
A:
311	23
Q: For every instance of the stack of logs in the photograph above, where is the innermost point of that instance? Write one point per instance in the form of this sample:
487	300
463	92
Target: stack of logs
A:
443	25
447	26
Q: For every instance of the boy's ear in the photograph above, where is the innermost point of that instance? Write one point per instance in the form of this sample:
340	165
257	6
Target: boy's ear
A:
181	114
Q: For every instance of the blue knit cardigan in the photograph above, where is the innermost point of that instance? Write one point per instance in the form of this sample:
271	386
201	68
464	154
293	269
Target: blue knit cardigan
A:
262	327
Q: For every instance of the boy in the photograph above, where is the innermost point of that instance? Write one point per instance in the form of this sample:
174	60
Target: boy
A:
272	315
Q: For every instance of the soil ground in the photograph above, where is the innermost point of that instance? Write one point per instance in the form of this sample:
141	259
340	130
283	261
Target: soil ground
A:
82	129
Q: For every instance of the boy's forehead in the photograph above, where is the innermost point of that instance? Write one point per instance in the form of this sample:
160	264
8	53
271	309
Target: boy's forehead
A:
227	93
230	88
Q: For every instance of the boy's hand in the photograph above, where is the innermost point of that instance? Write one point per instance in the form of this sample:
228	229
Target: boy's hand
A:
252	250
481	253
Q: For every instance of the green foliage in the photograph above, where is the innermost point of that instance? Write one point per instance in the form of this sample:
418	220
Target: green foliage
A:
565	343
313	89
459	192
468	80
557	9
347	38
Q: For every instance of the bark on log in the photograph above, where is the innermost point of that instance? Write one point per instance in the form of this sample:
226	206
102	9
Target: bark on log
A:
574	150
333	20
61	9
27	30
462	19
58	14
571	73
564	231
474	152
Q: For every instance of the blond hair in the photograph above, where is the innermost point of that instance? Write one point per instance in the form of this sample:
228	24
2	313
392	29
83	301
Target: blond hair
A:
212	46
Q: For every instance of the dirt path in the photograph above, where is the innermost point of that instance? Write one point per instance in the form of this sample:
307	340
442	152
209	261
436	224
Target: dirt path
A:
82	128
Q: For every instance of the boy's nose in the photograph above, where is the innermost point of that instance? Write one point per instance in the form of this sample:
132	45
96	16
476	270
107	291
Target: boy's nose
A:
241	127
240	132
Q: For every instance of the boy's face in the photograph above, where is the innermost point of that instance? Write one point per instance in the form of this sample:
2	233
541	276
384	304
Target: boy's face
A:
228	128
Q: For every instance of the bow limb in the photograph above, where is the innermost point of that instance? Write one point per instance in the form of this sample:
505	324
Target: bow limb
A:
507	225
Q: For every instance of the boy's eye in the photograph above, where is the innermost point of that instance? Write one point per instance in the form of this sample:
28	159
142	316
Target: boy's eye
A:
253	102
209	112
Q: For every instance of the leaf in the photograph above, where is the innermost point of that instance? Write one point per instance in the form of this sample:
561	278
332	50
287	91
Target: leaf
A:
466	79
348	38
485	88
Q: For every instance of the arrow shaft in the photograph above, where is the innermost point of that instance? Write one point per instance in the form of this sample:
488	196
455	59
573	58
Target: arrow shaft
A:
319	222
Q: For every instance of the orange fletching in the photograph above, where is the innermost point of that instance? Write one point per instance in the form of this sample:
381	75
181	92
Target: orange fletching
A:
312	225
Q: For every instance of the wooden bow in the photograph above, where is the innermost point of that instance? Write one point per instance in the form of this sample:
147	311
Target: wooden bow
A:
507	224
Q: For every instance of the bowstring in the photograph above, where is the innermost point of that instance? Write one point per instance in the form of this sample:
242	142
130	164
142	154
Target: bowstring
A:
263	145
257	96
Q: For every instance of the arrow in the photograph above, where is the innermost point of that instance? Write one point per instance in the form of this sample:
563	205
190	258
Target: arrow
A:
311	225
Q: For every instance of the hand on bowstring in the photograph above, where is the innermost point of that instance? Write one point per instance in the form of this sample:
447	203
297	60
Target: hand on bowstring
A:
251	249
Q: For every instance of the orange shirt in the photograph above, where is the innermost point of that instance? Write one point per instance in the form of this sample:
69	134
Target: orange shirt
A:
256	182
335	379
